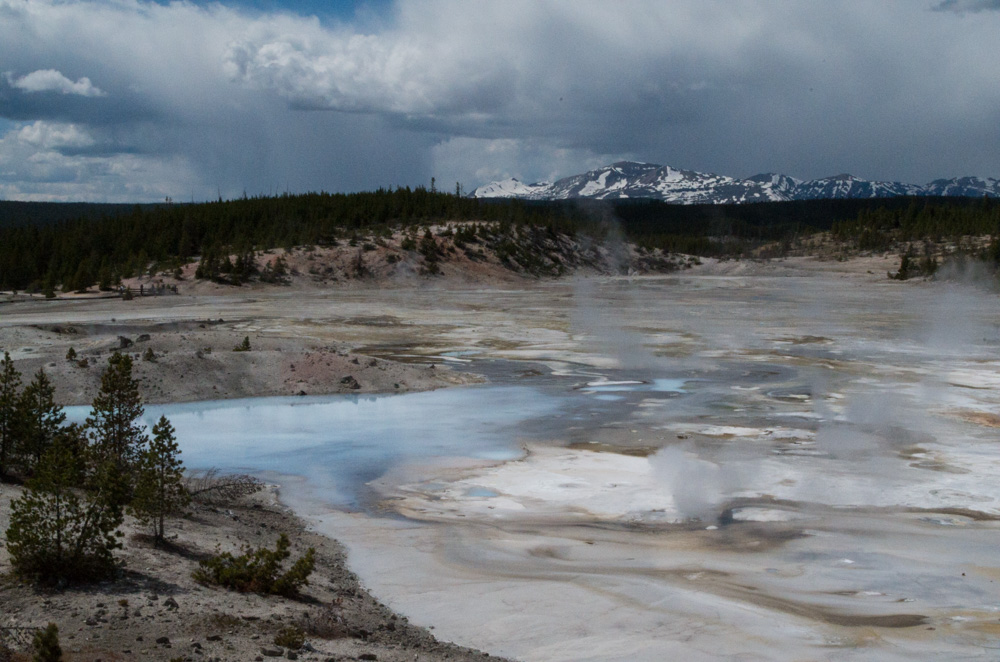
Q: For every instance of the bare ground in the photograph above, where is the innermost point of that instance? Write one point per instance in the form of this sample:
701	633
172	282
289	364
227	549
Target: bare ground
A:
156	611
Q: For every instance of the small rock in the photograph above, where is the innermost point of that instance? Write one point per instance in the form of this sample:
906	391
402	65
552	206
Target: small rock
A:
368	656
163	641
350	382
271	652
291	655
124	342
214	637
171	604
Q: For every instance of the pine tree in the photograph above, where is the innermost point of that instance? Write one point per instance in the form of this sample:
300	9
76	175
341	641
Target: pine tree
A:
116	433
46	645
39	419
54	535
159	490
10	383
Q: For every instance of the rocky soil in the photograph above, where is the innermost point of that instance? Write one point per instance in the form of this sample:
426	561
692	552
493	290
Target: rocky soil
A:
156	611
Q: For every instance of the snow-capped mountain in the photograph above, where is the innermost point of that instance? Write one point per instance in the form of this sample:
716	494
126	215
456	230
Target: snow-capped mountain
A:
965	186
849	186
628	179
509	188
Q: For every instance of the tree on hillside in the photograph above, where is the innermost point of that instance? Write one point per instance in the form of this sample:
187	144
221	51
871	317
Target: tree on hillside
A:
46	645
116	433
55	535
10	384
159	490
39	421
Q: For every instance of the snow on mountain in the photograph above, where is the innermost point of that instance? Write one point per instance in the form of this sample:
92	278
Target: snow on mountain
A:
629	179
965	187
849	186
509	188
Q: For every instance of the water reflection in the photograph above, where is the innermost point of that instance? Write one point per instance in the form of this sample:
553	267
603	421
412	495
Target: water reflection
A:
343	442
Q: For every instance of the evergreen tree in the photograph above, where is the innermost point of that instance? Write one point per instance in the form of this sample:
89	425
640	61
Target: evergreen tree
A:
116	433
159	490
39	419
10	383
54	535
46	645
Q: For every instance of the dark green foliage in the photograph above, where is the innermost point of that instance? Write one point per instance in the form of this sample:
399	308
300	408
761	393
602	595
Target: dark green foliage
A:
159	491
275	271
55	535
243	346
431	252
258	571
116	434
70	354
46	645
32	254
73	253
909	267
290	636
149	355
10	384
39	419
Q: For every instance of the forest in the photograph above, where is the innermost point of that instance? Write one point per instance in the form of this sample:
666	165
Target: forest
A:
45	245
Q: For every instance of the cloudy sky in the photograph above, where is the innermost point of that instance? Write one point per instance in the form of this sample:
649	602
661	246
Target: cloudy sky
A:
129	100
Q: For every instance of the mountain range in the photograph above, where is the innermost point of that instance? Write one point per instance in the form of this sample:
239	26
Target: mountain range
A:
630	179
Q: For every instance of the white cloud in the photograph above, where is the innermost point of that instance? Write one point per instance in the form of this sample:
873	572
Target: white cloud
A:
54	136
50	80
41	161
482	160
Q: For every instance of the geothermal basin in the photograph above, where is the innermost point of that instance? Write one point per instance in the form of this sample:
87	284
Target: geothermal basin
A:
708	468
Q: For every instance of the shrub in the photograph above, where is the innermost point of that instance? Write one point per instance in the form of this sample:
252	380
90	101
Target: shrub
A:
46	645
290	637
243	346
259	570
70	354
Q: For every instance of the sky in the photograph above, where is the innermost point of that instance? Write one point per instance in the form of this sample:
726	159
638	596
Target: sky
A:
131	100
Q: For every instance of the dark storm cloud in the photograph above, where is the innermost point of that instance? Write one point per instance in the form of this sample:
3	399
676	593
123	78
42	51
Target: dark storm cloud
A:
143	100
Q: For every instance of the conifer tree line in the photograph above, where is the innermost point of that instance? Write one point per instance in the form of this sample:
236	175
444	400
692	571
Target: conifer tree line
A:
81	479
89	251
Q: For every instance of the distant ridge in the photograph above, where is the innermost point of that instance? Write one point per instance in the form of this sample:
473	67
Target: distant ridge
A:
630	179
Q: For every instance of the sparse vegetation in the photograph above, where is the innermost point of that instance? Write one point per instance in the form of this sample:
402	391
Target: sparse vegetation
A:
243	346
46	645
65	526
290	636
259	570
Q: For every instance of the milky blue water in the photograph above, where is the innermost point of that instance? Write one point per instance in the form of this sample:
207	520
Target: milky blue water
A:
341	442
